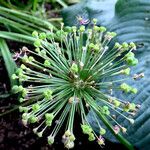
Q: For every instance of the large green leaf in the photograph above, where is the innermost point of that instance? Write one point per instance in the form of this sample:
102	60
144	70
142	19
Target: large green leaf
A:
131	20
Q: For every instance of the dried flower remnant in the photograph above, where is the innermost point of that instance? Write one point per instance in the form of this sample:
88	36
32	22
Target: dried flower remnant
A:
66	78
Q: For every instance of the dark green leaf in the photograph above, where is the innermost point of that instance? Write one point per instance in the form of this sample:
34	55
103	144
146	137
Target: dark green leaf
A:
132	23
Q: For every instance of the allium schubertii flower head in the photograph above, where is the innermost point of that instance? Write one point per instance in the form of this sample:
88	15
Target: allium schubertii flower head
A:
61	79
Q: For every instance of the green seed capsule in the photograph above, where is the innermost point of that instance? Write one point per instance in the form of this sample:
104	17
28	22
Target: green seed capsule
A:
35	34
102	131
37	43
42	36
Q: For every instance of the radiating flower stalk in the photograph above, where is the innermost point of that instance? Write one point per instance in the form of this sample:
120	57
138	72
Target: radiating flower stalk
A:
66	78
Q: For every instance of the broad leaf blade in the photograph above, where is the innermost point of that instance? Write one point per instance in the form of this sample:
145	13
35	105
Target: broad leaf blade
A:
9	63
132	23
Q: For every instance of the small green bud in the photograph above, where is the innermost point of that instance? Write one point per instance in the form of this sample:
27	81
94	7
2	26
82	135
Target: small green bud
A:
25	59
134	90
72	138
74	28
95	21
125	88
48	94
23	109
14	76
91	137
49	116
82	28
23	67
131	61
113	34
132	107
67	133
125	46
33	119
24	92
50	140
15	89
37	43
117	45
86	129
31	58
35	34
102	131
47	63
42	36
69	145
19	71
91	46
25	116
132	45
126	71
129	54
102	29
48	123
68	29
116	103
43	53
35	107
49	35
37	49
96	28
74	68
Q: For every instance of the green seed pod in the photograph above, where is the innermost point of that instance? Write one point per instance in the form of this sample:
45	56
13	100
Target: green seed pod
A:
49	116
102	29
25	116
35	34
116	103
132	45
72	138
96	28
47	63
31	58
42	36
15	89
33	119
74	68
86	129
130	54
95	21
82	28
35	107
68	29
134	90
14	76
125	46
50	35
91	137
50	140
125	88
74	28
102	131
48	94
37	43
126	71
117	45
48	123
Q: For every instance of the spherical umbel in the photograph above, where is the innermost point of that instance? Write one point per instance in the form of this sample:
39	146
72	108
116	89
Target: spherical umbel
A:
61	79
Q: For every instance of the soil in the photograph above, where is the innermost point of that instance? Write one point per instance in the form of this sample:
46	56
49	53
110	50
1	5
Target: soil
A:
14	136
